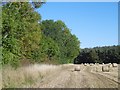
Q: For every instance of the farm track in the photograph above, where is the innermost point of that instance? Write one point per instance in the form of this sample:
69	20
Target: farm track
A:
68	78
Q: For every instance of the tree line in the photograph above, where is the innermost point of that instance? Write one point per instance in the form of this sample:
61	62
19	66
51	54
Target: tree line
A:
27	38
105	54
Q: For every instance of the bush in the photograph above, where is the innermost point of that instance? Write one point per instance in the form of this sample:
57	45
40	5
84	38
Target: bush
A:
10	58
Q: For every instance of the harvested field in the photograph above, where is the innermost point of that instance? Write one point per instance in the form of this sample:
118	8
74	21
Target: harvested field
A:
61	76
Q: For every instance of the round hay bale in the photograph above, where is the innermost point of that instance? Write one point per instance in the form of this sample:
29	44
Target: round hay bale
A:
85	64
110	65
98	68
105	68
97	64
91	64
88	64
77	68
82	64
114	64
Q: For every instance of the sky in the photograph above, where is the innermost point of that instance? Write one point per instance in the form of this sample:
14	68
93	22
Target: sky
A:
93	23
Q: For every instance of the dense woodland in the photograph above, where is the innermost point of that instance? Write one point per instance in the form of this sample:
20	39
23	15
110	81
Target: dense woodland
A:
106	54
28	39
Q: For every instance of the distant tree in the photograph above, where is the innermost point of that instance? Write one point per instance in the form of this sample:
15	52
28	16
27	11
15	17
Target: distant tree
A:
106	54
93	56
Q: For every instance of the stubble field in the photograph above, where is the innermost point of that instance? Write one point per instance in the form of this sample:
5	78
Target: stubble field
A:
61	76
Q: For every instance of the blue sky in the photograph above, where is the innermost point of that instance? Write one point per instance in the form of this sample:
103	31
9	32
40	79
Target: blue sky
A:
95	24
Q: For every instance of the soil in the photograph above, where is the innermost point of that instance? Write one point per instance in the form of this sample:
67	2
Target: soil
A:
67	77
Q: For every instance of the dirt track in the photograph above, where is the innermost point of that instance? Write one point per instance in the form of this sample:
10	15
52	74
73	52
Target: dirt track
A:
85	78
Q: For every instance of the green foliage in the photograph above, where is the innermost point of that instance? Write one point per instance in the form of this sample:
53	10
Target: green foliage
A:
0	57
10	58
37	3
93	56
107	54
68	44
48	50
21	31
23	38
